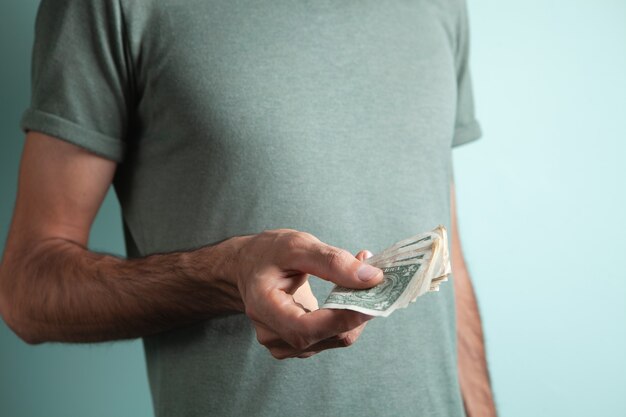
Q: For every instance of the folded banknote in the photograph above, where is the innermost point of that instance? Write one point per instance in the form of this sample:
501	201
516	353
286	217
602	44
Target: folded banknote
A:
411	267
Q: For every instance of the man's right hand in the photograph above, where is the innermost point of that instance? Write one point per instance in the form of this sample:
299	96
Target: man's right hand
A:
271	272
53	288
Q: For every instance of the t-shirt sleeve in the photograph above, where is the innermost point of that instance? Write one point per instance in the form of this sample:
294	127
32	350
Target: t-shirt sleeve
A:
81	76
466	127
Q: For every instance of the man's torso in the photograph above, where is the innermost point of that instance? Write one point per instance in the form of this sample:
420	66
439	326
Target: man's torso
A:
334	118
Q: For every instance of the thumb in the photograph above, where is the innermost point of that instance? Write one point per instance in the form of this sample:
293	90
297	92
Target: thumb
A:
338	266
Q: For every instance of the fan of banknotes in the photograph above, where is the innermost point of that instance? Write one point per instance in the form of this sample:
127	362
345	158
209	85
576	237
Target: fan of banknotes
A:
411	267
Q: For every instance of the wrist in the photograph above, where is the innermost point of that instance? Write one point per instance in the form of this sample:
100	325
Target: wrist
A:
229	259
203	281
218	265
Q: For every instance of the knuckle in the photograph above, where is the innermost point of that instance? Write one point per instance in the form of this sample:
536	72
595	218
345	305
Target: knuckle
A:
275	232
296	240
262	339
334	258
352	320
299	342
286	230
251	313
308	236
280	355
348	339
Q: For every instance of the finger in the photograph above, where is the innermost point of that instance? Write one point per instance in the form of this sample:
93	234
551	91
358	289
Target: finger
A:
266	337
280	313
363	255
271	340
305	297
283	350
325	324
345	339
335	265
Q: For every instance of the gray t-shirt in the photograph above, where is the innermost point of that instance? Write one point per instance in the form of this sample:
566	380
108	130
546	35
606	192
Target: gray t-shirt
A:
229	117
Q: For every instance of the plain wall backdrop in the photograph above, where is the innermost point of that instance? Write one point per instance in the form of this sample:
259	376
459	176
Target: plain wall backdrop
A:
541	202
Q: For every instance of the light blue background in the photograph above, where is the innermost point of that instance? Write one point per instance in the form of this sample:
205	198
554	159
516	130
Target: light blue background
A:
541	200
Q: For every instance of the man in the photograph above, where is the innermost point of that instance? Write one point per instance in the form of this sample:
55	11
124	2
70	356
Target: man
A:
288	132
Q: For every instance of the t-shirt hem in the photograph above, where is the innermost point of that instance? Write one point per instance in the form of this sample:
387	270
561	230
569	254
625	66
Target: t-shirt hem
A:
58	127
466	133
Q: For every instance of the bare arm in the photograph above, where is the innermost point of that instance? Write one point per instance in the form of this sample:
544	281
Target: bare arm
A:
52	288
473	372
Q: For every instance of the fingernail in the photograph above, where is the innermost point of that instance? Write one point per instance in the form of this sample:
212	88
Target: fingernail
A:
368	254
367	272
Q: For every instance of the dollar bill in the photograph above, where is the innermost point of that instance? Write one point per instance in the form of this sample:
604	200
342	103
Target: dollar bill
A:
411	267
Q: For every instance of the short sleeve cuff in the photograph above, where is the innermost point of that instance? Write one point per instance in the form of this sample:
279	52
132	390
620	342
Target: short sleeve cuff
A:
466	133
58	127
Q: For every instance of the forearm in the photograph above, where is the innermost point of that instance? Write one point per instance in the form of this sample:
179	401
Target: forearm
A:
57	290
472	361
473	372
